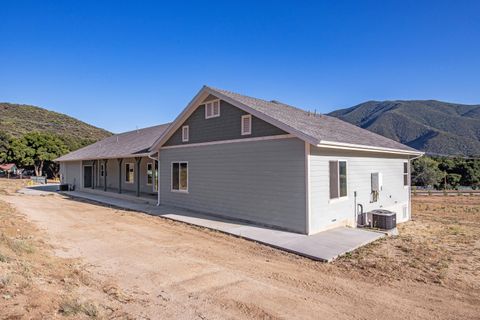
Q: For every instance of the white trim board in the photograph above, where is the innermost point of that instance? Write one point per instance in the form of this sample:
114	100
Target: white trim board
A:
201	144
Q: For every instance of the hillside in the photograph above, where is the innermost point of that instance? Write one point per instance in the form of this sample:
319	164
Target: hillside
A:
18	119
432	126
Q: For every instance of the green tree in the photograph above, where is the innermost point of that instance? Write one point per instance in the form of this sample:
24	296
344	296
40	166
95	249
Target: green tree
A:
35	149
4	146
425	172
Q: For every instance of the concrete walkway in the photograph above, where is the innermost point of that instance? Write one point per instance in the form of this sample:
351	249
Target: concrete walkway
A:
323	246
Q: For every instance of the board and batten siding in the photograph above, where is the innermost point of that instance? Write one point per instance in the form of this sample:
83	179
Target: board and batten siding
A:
257	181
326	213
225	127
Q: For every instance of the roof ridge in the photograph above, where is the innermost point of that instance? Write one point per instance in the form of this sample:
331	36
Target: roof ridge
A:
274	101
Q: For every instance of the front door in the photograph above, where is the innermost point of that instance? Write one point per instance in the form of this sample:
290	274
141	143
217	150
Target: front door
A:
87	176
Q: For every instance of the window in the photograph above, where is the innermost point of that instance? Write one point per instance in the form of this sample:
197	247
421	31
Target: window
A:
246	125
405	173
149	173
212	109
180	176
185	133
338	179
129	172
102	169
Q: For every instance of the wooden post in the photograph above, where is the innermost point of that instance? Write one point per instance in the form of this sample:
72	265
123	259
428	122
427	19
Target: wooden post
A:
137	174
105	174
120	161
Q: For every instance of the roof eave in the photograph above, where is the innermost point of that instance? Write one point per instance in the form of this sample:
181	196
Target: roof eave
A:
358	147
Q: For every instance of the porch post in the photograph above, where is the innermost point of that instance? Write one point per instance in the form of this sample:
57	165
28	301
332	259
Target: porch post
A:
120	161
158	178
137	174
105	174
94	176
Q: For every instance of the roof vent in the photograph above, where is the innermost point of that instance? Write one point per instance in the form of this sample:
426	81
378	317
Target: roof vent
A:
275	101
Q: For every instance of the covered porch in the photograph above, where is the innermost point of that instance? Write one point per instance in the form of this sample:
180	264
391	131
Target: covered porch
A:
135	177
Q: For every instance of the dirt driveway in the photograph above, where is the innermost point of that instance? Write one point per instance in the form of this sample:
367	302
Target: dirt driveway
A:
162	269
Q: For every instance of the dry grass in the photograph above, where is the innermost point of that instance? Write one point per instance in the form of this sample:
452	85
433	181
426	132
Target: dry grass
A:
437	254
34	283
440	245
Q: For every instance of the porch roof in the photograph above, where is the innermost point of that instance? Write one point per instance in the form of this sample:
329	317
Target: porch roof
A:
124	145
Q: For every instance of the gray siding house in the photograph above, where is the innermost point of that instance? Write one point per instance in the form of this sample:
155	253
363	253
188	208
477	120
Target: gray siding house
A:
252	160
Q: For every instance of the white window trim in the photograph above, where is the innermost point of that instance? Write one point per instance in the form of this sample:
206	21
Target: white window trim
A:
211	103
153	176
125	171
171	177
185	139
339	199
405	186
248	116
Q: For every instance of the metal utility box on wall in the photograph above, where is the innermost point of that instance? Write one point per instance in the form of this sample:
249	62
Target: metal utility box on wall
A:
376	181
376	185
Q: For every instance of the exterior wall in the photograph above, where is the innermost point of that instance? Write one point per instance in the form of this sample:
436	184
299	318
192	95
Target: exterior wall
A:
225	127
71	172
113	175
326	213
257	181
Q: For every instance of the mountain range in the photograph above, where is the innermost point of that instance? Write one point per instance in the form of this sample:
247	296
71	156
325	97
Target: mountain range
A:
18	119
436	127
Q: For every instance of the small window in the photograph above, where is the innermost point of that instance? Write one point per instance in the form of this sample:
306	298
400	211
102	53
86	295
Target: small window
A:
102	169
149	173
180	176
185	133
246	124
129	172
338	179
212	109
405	173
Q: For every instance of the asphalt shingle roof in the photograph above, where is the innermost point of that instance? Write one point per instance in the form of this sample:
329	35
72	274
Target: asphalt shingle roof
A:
124	145
318	127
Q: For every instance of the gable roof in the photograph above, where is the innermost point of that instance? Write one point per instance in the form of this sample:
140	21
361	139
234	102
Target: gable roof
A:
318	130
124	145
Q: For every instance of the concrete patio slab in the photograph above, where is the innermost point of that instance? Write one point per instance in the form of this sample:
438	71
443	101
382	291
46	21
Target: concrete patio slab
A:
324	246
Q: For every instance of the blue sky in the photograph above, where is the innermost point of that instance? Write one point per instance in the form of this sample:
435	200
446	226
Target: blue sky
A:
123	64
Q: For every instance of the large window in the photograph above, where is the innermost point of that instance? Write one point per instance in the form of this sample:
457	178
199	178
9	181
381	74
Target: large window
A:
246	124
338	179
149	173
405	173
180	176
212	109
129	172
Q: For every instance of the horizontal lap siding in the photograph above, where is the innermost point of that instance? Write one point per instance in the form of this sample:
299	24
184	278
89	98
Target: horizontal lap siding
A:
360	165
71	172
261	181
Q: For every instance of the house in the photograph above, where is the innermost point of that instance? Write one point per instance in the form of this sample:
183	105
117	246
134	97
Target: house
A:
257	161
8	169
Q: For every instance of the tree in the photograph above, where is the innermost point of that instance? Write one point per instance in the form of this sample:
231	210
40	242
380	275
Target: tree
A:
4	146
426	172
36	148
